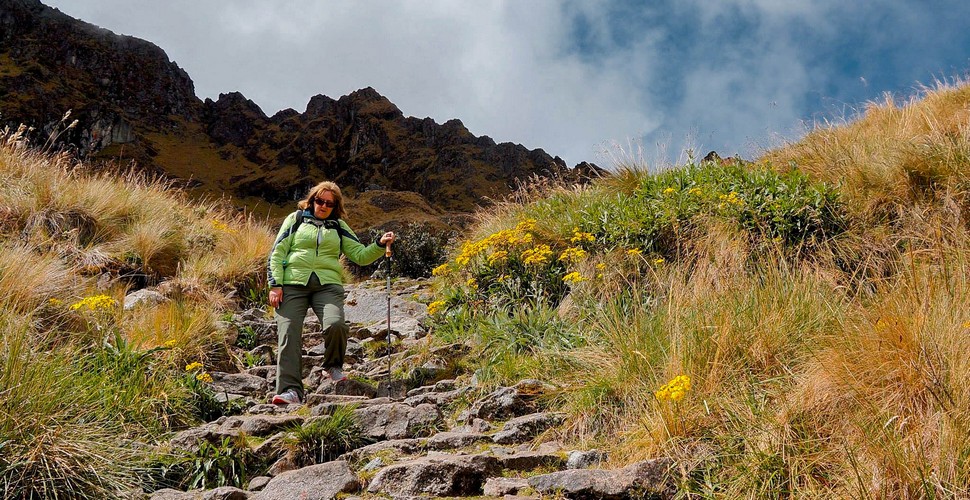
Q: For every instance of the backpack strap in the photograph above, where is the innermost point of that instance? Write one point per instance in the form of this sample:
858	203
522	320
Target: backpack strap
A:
286	234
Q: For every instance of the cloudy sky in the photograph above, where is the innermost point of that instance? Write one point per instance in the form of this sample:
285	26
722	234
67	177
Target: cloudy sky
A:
579	79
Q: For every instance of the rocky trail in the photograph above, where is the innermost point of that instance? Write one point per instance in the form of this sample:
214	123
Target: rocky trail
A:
420	433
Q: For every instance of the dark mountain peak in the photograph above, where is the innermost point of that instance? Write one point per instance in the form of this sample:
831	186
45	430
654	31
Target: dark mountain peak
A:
320	105
366	94
132	102
235	102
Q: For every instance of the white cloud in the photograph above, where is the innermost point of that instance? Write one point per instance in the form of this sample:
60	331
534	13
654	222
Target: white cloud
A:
730	74
500	67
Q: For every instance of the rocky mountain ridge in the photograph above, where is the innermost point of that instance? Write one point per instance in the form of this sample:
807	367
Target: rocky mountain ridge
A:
132	103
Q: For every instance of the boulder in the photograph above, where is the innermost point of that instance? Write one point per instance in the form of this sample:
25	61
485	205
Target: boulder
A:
143	297
438	475
316	482
645	479
526	427
239	383
260	425
398	446
501	486
585	459
451	440
530	460
507	402
398	420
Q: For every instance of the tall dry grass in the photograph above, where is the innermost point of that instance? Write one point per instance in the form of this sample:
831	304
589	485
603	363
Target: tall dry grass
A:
830	370
88	391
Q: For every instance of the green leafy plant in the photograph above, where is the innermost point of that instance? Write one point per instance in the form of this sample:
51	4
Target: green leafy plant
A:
202	399
324	439
247	338
227	463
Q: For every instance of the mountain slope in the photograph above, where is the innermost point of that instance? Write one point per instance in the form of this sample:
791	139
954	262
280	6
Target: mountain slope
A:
132	103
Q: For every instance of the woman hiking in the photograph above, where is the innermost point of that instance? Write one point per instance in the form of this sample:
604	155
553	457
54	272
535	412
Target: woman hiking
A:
305	271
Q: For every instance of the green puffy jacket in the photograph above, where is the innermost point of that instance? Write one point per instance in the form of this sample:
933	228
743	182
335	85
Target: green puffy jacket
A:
315	248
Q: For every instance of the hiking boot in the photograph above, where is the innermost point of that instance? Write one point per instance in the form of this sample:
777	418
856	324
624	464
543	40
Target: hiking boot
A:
336	374
289	397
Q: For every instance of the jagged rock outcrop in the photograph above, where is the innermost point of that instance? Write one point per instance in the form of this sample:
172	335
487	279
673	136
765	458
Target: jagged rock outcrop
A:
132	102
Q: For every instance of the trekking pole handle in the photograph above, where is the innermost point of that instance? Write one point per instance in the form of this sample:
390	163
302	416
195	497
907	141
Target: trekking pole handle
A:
389	236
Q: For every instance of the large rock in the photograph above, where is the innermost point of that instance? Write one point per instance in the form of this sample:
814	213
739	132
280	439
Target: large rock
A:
501	486
250	425
221	493
507	402
240	383
368	306
526	427
316	482
579	459
258	425
436	475
446	440
398	420
530	460
647	479
143	297
393	447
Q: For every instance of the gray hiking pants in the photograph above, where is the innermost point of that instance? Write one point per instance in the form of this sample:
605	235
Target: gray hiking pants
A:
327	302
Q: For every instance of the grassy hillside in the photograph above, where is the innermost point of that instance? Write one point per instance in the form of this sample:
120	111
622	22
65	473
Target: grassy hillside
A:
797	326
88	387
792	327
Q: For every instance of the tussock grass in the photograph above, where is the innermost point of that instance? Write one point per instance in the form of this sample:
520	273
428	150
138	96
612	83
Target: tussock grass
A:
89	388
816	299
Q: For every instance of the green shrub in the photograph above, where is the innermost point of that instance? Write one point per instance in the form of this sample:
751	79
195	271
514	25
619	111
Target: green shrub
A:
326	438
227	463
417	250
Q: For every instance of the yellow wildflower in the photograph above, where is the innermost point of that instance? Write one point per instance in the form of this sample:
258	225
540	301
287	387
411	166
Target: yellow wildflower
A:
526	225
472	283
468	251
669	191
581	237
441	270
497	257
204	377
95	303
573	254
966	324
573	277
601	266
193	366
695	191
218	225
435	307
675	390
658	261
537	256
55	302
731	198
169	344
634	252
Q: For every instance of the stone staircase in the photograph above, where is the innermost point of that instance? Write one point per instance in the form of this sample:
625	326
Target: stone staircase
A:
444	439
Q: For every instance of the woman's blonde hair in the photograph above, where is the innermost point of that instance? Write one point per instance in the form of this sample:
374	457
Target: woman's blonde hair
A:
338	211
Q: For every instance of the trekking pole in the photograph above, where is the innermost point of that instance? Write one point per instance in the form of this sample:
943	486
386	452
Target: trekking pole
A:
387	254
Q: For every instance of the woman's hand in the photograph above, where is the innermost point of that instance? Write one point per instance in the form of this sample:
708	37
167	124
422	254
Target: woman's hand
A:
387	239
275	296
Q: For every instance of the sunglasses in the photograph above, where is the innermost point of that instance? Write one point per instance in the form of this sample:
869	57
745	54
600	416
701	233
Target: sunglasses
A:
326	203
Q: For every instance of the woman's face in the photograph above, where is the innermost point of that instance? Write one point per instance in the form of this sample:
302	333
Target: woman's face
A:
320	208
